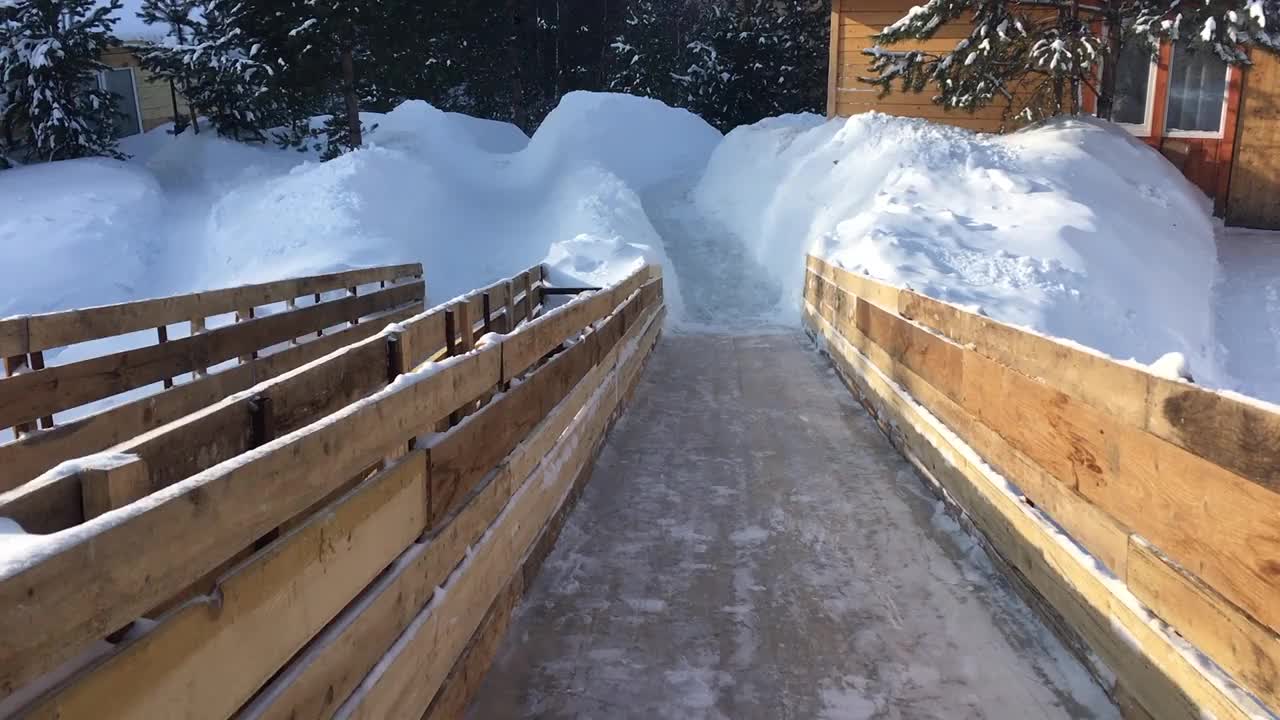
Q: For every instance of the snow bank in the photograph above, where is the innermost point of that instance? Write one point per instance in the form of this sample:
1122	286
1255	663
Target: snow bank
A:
62	223
1072	228
473	200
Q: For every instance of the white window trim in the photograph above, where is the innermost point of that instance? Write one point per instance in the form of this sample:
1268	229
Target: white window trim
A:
133	78
1198	134
1144	130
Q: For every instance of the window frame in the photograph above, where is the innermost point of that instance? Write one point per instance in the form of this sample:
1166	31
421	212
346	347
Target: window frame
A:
1218	134
137	100
1145	129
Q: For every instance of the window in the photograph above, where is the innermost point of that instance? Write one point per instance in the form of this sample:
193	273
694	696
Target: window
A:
1133	85
1197	92
120	82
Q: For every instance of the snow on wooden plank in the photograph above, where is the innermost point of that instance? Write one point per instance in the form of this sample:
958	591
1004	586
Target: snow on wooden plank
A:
329	670
208	657
40	392
405	681
85	583
68	327
468	673
1151	663
1084	467
31	455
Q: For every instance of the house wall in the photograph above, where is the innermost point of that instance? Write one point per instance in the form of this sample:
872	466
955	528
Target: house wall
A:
1254	197
1206	159
853	23
154	98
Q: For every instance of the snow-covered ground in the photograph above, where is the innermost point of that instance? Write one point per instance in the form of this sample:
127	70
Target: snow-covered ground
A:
1247	309
1072	228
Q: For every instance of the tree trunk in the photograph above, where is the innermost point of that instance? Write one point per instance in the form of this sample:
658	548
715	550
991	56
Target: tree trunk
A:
1107	86
514	44
354	136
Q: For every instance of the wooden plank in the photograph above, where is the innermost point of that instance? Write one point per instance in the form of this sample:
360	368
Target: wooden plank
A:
833	58
63	387
110	573
1255	170
1097	532
206	659
1151	666
1159	490
526	346
25	459
327	672
14	337
219	432
1235	434
68	327
408	678
106	488
1245	649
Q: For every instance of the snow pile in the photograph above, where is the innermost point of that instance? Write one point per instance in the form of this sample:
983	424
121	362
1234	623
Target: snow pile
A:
473	200
1072	228
63	223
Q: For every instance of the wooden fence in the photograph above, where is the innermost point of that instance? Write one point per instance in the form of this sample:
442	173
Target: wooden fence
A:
295	333
358	555
1172	491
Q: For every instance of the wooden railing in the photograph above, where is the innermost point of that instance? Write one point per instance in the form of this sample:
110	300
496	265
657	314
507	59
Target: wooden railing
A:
1173	490
272	332
361	555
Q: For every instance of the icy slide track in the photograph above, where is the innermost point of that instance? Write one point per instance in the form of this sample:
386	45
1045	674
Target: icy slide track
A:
750	546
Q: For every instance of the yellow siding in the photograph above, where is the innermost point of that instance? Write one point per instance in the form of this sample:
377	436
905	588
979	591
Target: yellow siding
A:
154	97
859	21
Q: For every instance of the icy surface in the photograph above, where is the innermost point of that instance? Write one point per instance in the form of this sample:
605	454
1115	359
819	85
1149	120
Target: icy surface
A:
750	546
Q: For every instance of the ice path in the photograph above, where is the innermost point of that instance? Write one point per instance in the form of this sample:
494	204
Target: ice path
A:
749	546
724	289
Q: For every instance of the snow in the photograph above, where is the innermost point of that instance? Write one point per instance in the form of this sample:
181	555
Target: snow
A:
1072	228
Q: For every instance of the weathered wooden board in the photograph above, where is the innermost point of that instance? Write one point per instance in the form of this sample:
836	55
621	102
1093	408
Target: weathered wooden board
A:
114	571
42	332
1159	490
26	458
221	431
1241	437
329	669
41	392
1150	665
1244	648
210	656
406	681
327	673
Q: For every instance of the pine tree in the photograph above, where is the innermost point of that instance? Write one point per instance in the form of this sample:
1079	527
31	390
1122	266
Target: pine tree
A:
179	20
222	75
50	99
639	61
1037	58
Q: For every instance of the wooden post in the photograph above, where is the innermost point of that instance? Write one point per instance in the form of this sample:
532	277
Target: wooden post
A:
162	337
262	421
289	306
12	366
464	327
527	277
106	489
320	332
352	292
37	363
509	323
487	309
244	315
197	327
